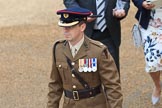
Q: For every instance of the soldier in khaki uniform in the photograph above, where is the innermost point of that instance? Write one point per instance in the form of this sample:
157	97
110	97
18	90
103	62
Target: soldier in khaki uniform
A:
83	69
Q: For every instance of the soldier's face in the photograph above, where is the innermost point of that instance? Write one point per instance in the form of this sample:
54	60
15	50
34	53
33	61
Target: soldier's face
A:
74	33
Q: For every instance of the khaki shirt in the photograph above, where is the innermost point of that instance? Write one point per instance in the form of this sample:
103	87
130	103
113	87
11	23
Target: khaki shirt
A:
106	74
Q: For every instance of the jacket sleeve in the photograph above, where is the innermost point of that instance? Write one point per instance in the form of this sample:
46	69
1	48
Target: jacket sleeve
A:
55	87
138	4
127	6
110	80
145	13
70	3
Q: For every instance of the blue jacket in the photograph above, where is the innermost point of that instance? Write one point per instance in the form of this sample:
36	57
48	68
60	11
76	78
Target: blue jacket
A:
145	17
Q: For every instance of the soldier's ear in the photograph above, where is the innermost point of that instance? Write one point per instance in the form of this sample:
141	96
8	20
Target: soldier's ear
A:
83	26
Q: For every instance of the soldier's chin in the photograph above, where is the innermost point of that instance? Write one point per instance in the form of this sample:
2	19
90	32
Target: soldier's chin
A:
68	38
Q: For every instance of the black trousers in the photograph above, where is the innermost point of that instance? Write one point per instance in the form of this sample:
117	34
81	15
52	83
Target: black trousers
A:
106	39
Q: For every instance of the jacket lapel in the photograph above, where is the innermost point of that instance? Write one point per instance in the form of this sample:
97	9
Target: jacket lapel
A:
106	3
93	8
66	50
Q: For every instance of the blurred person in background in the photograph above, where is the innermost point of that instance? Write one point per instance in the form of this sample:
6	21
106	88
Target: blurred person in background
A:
150	20
107	28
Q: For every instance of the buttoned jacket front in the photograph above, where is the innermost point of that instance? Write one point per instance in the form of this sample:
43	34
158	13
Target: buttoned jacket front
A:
62	78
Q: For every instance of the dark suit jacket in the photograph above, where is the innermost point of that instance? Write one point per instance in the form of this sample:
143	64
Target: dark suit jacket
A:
145	16
113	24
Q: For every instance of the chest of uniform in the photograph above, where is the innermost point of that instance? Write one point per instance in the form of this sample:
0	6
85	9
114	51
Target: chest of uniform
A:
87	68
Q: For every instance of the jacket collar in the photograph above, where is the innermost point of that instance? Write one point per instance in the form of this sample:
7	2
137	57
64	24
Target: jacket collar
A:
80	54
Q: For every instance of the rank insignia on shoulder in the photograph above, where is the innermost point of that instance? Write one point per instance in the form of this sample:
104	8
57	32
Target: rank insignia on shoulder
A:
88	65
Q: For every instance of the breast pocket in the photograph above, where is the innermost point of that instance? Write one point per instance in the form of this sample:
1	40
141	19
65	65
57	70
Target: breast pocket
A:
64	71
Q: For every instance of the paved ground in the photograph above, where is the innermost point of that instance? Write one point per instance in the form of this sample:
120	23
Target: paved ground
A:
25	64
15	12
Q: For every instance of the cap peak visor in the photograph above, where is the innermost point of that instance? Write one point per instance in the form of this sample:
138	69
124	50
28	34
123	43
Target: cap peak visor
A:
60	23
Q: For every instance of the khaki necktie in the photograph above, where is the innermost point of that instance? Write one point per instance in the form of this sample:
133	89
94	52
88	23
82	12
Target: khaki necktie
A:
73	51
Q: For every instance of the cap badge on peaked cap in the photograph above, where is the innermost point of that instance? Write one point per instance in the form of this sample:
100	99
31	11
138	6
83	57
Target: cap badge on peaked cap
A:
66	15
72	16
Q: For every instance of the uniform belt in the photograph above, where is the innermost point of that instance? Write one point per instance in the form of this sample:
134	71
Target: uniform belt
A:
84	93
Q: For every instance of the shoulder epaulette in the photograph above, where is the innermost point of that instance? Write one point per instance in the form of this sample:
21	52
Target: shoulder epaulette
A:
54	47
97	43
59	41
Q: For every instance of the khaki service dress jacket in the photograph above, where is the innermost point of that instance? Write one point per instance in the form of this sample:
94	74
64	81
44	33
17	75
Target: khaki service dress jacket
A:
106	75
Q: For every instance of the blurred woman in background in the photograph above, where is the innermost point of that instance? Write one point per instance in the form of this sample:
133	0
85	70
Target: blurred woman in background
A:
149	16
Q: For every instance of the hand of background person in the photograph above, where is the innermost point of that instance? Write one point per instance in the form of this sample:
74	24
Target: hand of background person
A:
119	13
90	19
147	5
